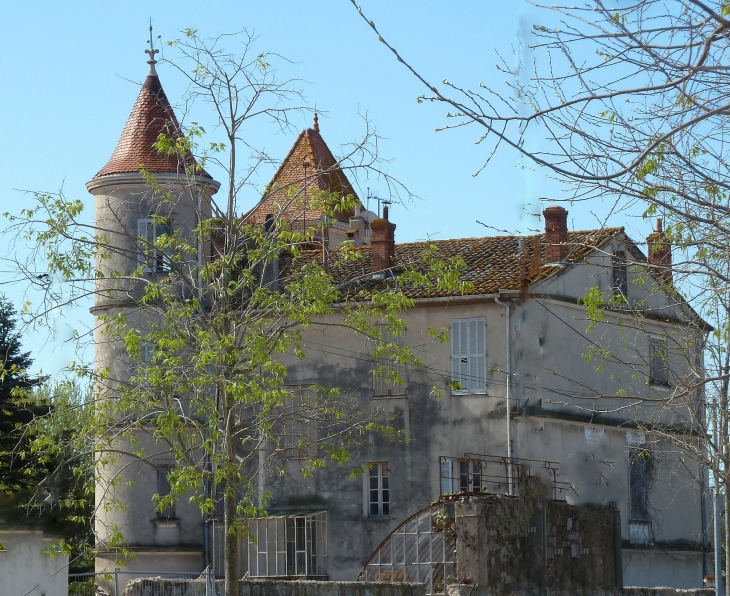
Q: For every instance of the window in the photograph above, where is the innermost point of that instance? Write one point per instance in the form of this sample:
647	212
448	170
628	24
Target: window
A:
658	370
460	475
154	259
468	356
163	489
300	429
620	282
279	545
389	375
470	476
148	349
377	490
639	459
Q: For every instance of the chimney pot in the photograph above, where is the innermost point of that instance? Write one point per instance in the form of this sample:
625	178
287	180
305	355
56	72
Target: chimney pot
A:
556	234
660	253
382	243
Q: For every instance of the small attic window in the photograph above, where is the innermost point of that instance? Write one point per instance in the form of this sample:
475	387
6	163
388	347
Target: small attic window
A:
619	275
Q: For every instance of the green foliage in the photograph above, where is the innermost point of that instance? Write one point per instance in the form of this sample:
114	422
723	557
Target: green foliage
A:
16	412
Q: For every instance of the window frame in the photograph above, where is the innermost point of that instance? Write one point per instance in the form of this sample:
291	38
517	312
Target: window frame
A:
297	426
390	366
469	356
619	275
658	365
459	475
148	252
638	493
382	500
164	489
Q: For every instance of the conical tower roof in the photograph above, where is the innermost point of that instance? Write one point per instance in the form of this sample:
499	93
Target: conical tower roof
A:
311	165
151	116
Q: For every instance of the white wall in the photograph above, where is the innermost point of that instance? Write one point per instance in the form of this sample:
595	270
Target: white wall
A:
25	569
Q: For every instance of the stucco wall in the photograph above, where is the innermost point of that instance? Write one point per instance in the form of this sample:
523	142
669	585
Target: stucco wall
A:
25	569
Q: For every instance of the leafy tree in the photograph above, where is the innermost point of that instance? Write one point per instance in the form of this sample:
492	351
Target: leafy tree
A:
63	499
216	307
17	478
627	104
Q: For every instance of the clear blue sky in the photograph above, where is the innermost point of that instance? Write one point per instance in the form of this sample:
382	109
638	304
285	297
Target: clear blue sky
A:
72	69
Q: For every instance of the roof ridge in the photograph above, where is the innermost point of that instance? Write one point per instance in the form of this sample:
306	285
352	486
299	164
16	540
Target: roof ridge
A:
607	231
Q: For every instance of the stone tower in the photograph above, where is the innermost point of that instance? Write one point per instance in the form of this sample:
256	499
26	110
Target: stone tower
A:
128	212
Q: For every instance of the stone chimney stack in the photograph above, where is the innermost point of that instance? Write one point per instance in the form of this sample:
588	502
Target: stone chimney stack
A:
660	253
556	234
382	242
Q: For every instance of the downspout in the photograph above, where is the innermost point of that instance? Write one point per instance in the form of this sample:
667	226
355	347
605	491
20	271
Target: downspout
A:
509	385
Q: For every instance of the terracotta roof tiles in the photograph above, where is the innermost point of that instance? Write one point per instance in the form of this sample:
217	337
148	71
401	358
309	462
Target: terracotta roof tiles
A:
151	116
322	174
493	263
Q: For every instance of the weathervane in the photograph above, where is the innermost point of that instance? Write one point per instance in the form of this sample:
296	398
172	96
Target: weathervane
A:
152	51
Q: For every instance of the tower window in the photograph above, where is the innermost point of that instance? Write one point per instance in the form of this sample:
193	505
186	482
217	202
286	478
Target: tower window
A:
154	258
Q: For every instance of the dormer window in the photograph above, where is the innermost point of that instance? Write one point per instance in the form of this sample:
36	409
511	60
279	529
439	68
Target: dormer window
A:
619	274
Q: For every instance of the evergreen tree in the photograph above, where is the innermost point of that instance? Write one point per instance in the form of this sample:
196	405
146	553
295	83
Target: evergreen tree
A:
17	480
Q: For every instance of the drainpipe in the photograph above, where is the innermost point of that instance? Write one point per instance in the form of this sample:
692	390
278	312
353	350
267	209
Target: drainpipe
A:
509	384
717	534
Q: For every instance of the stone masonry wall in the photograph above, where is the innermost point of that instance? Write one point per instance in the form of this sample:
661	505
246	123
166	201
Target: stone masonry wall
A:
177	587
634	591
525	546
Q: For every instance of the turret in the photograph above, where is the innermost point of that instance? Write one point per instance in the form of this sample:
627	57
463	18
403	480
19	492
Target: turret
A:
129	214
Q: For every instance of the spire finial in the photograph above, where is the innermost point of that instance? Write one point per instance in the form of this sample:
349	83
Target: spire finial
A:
316	123
152	51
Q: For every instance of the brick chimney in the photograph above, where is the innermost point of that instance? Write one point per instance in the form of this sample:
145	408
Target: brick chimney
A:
660	253
382	242
556	234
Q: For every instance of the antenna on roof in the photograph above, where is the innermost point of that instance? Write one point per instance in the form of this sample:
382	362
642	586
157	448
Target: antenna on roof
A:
152	51
378	199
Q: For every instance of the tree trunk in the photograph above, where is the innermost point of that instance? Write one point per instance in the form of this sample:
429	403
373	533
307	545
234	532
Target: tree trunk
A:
231	542
229	502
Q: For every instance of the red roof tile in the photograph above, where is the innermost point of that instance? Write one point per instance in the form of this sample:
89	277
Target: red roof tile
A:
151	116
493	263
322	173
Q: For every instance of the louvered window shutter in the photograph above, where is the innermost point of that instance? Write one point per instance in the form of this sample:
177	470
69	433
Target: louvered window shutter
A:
477	356
637	484
447	484
468	355
460	355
